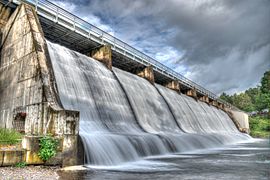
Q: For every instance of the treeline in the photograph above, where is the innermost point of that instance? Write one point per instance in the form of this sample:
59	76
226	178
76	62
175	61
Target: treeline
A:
253	99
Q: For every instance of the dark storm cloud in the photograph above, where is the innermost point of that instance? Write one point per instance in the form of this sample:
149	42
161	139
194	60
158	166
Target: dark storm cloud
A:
223	45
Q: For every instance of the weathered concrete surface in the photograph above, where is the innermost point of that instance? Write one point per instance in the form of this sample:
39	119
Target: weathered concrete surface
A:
146	73
11	157
103	54
204	99
242	119
27	84
72	172
5	12
192	93
213	102
174	85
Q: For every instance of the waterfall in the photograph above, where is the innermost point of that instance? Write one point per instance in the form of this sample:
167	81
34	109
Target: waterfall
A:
125	118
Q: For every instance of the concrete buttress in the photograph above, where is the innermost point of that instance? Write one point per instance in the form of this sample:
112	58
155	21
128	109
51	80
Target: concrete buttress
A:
147	73
103	54
174	85
27	86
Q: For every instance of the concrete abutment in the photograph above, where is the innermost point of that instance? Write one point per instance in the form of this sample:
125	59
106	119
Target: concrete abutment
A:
27	87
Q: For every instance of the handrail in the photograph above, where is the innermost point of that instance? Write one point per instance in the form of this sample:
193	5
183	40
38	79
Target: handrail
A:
55	13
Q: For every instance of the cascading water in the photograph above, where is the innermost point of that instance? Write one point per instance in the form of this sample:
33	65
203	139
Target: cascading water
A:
124	117
110	133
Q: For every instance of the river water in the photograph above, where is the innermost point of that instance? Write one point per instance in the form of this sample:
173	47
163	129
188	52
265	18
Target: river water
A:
240	161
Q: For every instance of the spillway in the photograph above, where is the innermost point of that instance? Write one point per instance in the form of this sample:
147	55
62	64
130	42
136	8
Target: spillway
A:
124	117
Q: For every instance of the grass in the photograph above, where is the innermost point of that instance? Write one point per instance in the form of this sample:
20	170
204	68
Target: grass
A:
21	164
9	136
259	127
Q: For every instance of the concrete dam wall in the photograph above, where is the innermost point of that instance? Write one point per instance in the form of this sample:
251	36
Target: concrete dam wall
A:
119	116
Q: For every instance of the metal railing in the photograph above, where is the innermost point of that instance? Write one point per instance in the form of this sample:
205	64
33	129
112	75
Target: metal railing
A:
58	15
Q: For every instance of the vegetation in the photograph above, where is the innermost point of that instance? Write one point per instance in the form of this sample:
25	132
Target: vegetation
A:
253	99
9	136
260	127
48	147
21	164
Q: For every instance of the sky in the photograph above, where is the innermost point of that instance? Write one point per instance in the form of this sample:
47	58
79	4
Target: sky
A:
223	45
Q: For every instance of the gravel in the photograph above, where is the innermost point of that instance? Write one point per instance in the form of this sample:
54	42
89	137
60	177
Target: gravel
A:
29	172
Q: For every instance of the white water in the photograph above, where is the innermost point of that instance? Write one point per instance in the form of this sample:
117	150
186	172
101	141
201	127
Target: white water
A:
124	118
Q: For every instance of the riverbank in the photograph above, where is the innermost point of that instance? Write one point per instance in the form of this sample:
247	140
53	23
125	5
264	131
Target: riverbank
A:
29	173
259	127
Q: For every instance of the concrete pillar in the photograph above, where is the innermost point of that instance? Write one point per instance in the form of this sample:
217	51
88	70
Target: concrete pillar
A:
214	103
31	145
192	93
204	99
147	73
174	85
103	54
4	15
221	106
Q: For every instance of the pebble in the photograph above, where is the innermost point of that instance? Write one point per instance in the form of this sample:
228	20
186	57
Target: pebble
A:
29	173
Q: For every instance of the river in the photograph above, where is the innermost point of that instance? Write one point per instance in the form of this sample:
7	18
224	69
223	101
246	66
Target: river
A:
239	161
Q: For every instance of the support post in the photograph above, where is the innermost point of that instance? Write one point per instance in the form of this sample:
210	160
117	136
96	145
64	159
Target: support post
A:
147	73
5	12
192	92
174	85
204	99
221	106
103	54
214	103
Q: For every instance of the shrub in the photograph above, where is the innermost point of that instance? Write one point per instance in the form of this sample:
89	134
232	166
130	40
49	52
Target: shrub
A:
9	136
259	127
48	147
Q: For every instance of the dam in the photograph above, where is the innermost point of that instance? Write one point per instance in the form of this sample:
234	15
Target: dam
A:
107	106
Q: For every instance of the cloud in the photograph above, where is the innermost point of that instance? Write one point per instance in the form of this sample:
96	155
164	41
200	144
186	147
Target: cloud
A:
223	45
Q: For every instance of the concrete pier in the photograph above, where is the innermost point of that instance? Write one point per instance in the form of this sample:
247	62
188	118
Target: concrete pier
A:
147	73
174	85
192	93
103	54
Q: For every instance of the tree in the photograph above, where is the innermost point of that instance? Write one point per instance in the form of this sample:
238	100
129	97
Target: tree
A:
262	101
243	101
265	81
253	93
226	97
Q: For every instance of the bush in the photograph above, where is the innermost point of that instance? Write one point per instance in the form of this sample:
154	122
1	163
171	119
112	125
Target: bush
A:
48	147
9	136
259	127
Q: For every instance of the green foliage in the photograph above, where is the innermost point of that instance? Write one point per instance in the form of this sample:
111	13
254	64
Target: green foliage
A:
48	147
265	82
253	93
253	99
243	101
262	101
9	136
259	127
226	97
21	164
